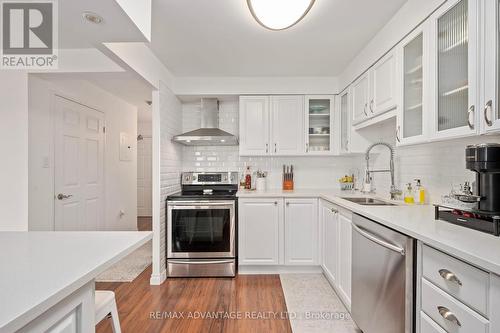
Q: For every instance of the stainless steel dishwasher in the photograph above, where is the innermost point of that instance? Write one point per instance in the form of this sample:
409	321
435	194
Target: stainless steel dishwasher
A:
382	278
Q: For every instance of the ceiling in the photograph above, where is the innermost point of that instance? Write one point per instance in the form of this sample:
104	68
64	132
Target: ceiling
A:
221	38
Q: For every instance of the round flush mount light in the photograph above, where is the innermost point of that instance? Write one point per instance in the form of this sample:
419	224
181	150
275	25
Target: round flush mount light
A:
279	14
92	17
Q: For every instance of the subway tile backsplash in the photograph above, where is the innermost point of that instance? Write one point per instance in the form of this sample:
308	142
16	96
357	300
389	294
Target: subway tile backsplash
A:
438	165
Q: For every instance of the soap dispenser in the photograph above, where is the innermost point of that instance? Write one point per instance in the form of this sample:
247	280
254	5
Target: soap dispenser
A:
419	193
409	196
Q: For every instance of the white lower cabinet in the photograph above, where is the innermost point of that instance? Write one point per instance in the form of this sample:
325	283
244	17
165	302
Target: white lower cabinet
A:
301	232
260	224
337	251
278	231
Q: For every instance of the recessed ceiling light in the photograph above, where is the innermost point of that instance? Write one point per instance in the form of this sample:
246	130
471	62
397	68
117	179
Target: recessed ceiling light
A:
279	14
92	17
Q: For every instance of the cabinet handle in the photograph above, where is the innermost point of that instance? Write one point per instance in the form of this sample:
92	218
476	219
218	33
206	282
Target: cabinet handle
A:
371	105
448	315
307	147
471	111
287	204
276	203
449	276
334	211
398	130
275	147
487	107
267	148
364	109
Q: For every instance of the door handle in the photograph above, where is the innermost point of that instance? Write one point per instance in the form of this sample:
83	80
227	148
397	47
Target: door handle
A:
448	315
61	196
267	148
378	241
487	107
471	111
449	276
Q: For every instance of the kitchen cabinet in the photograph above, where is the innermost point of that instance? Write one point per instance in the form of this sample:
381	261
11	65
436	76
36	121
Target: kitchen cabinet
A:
260	229
287	125
383	84
488	113
344	122
454	59
319	121
330	234
271	125
301	232
360	98
345	257
412	115
254	125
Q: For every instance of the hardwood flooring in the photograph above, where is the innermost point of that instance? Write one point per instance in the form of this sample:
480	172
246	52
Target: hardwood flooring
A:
257	299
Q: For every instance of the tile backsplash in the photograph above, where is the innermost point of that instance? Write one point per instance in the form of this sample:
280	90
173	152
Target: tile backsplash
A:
438	164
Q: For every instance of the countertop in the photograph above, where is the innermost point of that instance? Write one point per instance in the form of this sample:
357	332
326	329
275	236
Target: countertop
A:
39	269
475	247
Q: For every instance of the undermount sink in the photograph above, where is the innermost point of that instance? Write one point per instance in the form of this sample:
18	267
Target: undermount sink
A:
369	202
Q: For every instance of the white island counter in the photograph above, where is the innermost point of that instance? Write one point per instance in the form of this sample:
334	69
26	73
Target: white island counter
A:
42	271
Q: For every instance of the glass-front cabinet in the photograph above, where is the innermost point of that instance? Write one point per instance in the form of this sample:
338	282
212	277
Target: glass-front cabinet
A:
489	114
319	113
414	69
454	59
344	117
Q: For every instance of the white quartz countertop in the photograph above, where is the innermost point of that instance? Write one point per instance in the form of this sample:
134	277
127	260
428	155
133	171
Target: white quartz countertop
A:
475	247
39	269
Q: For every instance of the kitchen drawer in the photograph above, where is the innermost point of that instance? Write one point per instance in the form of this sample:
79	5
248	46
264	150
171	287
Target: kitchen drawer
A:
463	281
437	304
427	325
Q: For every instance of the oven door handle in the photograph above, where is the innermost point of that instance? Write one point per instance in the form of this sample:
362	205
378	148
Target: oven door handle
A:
378	241
199	204
201	262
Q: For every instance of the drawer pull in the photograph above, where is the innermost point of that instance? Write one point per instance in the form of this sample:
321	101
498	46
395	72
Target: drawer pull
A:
448	315
449	276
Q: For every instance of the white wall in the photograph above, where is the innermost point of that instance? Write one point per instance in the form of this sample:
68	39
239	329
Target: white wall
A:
14	148
167	125
120	177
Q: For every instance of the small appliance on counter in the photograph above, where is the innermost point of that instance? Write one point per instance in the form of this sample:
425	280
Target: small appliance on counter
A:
479	207
288	178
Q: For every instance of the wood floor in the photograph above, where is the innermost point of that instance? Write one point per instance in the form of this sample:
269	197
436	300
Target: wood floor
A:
252	297
257	299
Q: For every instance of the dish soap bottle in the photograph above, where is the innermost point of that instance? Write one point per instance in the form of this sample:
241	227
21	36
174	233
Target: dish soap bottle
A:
409	197
419	193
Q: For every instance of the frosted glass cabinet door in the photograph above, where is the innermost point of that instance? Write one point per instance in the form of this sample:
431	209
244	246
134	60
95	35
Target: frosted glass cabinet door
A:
455	52
489	113
344	122
319	119
414	69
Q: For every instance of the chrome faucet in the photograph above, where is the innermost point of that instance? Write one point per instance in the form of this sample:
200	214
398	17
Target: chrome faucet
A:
394	191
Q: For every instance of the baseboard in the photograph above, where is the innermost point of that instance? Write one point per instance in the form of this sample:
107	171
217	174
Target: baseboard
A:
278	269
158	279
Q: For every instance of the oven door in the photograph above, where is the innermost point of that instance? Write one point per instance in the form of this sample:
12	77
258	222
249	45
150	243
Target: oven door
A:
201	229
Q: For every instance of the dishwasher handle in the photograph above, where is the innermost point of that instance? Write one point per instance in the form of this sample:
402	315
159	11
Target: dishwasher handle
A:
380	242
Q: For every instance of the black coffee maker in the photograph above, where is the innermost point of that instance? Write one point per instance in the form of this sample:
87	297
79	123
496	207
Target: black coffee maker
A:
484	159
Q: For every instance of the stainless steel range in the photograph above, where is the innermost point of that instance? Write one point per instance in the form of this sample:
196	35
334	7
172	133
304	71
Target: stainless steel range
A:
201	226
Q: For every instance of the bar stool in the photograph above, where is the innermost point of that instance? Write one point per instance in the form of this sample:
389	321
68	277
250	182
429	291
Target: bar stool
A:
105	306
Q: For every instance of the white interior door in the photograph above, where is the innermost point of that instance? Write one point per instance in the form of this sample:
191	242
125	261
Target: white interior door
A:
79	166
144	191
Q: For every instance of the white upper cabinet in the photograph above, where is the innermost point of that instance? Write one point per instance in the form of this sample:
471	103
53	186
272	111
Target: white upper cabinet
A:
383	85
272	125
319	121
360	98
287	125
301	232
454	60
489	113
412	115
254	125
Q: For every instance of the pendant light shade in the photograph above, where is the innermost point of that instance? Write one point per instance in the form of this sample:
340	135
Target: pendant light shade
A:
279	14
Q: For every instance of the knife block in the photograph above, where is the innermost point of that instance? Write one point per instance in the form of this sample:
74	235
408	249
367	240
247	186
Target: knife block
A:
288	185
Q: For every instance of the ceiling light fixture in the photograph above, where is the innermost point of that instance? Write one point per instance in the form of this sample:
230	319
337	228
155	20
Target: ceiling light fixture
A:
92	17
279	14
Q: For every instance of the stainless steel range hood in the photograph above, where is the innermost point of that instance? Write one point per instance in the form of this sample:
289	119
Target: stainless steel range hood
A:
209	133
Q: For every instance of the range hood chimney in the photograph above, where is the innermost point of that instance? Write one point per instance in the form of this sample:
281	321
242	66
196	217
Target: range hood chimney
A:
209	133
